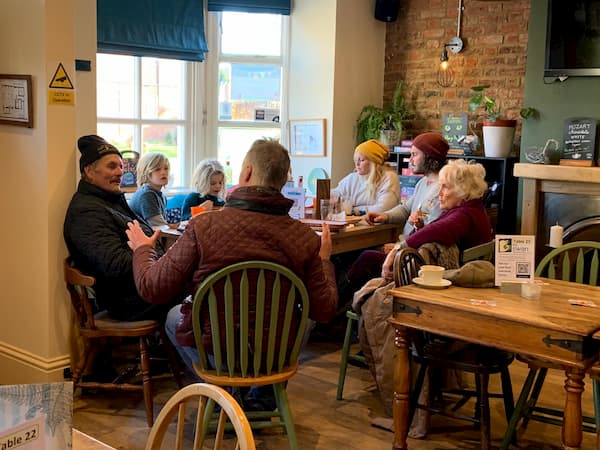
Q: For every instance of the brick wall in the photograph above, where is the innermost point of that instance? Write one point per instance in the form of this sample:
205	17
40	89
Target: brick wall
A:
495	51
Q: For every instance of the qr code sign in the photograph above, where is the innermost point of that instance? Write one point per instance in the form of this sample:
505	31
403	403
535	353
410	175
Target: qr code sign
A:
523	268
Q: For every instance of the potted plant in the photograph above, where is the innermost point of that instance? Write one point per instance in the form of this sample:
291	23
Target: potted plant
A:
498	134
384	123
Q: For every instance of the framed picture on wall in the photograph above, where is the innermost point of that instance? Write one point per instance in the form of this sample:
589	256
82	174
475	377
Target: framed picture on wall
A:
16	103
307	137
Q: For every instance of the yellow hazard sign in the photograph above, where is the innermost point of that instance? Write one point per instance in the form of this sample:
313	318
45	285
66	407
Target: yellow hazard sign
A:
60	80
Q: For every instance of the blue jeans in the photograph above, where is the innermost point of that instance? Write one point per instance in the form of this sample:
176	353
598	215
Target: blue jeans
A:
188	354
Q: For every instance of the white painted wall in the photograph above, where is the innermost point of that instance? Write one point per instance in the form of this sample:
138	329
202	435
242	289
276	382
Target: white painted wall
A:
39	174
336	67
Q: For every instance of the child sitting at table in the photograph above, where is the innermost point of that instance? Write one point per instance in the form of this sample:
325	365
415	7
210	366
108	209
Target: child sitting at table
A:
149	202
209	181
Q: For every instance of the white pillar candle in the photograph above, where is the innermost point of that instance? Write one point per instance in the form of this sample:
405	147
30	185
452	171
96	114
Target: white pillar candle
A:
556	236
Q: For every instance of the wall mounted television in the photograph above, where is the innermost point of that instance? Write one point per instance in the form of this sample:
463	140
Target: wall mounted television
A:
573	38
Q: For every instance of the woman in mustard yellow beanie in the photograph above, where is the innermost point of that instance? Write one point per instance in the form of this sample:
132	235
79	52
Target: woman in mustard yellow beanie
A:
373	186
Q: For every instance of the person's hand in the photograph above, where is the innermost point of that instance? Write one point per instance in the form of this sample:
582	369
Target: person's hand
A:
208	205
376	217
326	244
138	238
387	270
416	219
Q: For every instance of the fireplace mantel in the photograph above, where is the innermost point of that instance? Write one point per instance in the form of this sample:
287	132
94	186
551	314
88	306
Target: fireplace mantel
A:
540	178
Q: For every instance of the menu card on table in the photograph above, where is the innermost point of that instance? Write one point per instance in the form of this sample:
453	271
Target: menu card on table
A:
36	416
515	258
297	194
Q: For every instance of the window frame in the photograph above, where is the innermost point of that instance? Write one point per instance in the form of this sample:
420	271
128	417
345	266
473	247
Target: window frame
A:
213	60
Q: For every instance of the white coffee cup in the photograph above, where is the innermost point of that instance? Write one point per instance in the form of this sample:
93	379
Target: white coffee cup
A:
431	274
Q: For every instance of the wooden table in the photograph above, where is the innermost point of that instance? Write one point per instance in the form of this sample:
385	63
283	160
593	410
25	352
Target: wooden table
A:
82	441
353	237
548	328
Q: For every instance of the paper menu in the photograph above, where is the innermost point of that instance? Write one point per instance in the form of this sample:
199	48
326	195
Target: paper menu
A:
36	416
514	258
297	211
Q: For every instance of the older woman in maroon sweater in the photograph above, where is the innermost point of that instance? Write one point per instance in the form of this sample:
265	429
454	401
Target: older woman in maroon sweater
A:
463	221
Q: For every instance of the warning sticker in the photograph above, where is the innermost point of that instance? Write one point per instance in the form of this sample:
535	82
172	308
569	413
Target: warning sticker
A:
60	80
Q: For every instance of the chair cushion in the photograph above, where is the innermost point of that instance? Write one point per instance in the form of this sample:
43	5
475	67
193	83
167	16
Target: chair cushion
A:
103	320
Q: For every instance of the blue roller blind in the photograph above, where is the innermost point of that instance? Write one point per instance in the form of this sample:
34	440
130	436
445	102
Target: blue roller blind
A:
158	28
252	6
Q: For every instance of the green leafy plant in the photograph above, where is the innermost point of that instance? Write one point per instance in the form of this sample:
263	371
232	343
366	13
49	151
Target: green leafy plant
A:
480	100
491	108
372	119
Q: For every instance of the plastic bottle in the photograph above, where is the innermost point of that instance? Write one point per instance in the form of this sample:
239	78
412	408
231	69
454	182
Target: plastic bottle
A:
228	174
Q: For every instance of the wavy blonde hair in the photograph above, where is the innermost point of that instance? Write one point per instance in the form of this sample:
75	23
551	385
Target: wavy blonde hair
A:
203	173
375	175
148	164
466	179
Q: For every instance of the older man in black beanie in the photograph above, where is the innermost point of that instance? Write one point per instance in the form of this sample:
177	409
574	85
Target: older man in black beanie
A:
94	231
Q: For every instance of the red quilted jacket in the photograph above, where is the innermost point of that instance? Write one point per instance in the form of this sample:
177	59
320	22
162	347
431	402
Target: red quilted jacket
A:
254	224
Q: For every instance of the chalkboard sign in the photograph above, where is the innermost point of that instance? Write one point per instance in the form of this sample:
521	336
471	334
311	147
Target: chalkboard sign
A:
455	130
579	140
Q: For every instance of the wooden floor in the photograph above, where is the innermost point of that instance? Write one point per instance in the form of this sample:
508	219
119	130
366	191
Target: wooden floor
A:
322	422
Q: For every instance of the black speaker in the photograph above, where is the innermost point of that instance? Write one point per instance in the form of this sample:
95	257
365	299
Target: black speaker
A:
387	10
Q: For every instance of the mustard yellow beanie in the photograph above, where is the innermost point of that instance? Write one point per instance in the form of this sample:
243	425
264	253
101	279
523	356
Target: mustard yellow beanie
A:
374	150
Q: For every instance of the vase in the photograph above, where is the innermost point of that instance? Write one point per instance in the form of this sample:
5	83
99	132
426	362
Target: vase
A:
390	137
498	137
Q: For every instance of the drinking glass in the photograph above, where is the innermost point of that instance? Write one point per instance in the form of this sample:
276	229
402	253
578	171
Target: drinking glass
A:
325	209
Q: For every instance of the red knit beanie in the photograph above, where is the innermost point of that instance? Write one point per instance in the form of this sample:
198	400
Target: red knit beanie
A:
432	144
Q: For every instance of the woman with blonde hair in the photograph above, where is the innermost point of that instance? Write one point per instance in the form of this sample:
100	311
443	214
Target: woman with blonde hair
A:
373	186
209	182
149	201
463	220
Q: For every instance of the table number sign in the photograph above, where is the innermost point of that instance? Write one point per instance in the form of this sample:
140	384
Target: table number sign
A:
36	416
515	258
579	136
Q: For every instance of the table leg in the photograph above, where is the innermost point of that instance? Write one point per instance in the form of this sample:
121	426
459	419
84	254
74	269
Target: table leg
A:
402	380
571	429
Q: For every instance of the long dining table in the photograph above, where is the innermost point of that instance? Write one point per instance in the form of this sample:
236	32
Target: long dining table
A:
351	237
550	327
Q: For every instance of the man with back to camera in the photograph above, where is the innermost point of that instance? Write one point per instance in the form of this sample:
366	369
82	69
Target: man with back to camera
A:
254	224
94	231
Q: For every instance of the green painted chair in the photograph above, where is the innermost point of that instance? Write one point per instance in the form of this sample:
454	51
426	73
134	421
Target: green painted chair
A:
351	327
577	262
258	311
406	266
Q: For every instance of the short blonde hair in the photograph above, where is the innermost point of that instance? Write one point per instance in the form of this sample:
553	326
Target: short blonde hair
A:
203	173
465	179
270	162
148	164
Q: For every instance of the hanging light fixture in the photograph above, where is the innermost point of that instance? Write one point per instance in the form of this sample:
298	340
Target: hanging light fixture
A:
445	75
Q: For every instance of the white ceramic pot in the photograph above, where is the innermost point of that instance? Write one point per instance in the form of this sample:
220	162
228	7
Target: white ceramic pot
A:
498	137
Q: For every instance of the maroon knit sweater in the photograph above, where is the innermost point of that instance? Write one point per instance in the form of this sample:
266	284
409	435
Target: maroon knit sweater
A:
467	225
254	224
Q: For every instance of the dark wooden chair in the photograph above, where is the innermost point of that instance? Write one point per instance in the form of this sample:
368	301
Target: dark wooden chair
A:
578	262
97	328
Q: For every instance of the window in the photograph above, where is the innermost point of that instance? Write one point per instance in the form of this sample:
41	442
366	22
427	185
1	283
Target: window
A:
250	70
191	111
142	107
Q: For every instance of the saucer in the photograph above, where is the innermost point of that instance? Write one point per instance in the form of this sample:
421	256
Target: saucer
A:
442	284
